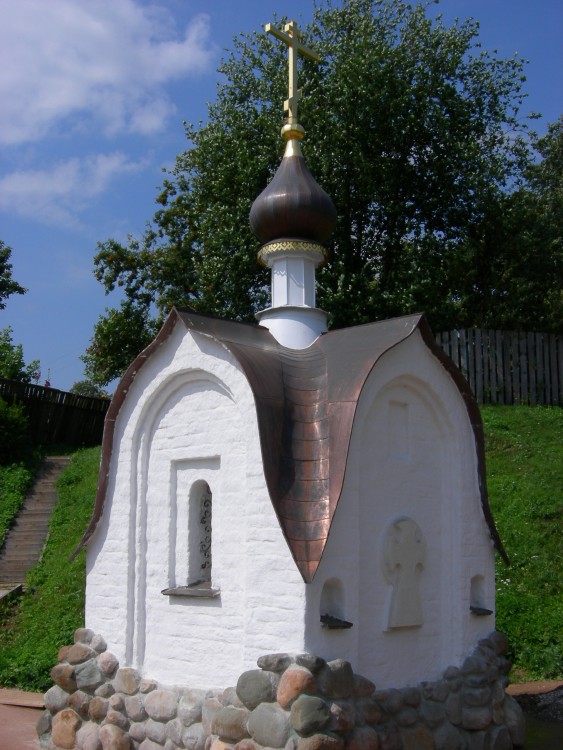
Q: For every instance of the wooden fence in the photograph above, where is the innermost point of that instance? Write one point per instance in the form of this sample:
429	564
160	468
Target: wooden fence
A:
506	367
58	417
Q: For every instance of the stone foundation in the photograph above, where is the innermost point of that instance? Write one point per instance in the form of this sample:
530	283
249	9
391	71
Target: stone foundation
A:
290	702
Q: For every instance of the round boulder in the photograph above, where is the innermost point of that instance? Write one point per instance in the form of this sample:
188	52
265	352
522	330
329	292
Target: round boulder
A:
55	699
293	682
336	679
269	725
64	727
309	714
161	705
113	738
255	687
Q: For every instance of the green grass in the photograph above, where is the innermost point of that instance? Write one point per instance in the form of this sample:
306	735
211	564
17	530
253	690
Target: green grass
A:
525	477
15	480
524	450
33	629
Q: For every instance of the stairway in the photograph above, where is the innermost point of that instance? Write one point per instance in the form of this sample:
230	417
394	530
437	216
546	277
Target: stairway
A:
24	542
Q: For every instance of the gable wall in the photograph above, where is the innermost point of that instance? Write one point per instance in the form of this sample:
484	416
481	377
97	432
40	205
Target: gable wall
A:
412	455
190	416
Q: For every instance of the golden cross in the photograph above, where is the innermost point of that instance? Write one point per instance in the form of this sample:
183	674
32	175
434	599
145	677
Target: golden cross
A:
291	36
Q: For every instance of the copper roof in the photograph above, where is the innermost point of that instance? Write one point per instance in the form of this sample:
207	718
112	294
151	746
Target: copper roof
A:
305	401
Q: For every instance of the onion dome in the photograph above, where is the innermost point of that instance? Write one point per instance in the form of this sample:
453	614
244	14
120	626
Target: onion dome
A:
293	205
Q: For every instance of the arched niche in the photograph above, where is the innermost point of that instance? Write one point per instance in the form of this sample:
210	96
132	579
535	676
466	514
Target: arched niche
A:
333	605
168	470
478	597
332	598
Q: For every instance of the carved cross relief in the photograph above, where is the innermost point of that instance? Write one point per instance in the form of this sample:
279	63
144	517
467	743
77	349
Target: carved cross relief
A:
404	555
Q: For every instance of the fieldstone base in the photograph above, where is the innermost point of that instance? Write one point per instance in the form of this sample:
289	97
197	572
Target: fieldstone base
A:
289	703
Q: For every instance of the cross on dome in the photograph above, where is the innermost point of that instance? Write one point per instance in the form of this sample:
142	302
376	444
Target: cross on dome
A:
291	35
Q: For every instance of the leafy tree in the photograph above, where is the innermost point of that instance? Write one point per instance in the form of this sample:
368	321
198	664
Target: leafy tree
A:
89	389
414	131
119	336
12	364
7	285
511	268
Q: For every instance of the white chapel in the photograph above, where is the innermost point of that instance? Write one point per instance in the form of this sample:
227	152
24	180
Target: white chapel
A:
277	487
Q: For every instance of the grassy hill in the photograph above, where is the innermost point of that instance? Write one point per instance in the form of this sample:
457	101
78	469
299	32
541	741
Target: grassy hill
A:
33	629
524	451
525	476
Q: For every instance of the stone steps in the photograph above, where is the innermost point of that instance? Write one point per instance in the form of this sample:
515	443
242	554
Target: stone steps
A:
24	542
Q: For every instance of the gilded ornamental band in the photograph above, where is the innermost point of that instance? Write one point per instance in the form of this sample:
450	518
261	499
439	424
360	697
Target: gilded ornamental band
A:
292	246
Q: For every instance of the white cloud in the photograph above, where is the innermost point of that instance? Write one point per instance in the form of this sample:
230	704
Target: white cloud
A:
103	62
56	196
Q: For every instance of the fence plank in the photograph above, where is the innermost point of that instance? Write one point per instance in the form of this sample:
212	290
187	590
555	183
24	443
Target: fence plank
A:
531	370
479	355
523	352
498	374
471	356
558	350
516	369
540	368
491	369
547	370
507	369
456	349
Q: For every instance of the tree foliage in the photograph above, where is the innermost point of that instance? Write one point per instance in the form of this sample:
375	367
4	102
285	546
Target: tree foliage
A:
12	363
88	388
7	284
119	336
510	269
413	130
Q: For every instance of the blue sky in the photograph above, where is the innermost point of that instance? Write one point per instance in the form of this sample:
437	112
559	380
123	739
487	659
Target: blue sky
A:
93	96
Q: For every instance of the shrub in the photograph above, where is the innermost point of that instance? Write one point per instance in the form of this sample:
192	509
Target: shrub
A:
14	483
15	444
